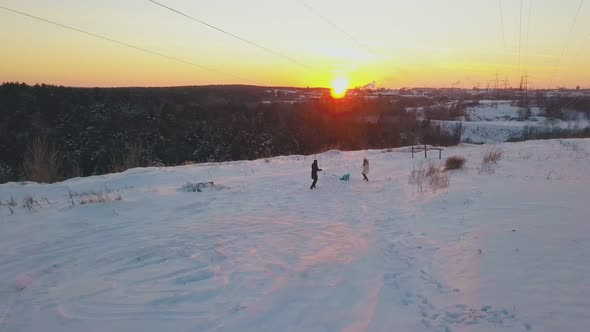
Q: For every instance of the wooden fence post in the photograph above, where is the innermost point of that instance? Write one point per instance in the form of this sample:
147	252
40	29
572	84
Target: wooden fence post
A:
412	150
425	150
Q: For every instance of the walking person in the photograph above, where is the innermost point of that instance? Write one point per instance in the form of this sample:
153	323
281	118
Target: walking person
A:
314	173
365	169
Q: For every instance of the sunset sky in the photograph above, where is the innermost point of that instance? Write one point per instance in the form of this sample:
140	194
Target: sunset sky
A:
395	43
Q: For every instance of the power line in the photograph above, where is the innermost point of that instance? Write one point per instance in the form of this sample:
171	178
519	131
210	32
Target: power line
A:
575	101
567	41
528	29
569	36
334	25
502	23
576	16
579	51
247	41
520	37
125	44
572	102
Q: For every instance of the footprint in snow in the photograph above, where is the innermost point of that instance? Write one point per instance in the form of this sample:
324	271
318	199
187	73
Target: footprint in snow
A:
464	315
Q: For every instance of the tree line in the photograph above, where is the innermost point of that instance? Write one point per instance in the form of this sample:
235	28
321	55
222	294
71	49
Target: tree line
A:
89	131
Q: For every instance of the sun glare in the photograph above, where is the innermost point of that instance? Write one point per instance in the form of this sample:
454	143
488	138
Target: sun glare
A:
339	87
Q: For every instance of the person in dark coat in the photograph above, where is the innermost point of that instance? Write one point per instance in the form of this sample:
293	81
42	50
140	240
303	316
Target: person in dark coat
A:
314	173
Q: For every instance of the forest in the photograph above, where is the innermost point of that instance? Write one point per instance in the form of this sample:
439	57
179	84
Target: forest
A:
50	133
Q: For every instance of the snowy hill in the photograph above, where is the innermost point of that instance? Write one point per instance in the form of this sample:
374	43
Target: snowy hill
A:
502	248
499	121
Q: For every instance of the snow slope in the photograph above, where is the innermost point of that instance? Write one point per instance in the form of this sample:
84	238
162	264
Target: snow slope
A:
498	121
501	110
503	250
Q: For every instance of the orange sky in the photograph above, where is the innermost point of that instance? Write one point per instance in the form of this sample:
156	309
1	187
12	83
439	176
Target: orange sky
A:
395	43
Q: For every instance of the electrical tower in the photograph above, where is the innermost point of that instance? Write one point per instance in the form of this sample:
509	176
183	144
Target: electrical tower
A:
525	111
523	90
496	91
505	84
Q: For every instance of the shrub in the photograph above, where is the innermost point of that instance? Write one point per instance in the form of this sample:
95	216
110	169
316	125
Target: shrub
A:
73	171
490	158
98	197
29	203
132	157
486	169
91	197
42	162
432	169
202	186
430	175
454	162
493	156
9	205
439	180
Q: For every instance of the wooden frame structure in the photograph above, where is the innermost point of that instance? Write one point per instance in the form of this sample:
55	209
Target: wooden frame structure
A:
419	148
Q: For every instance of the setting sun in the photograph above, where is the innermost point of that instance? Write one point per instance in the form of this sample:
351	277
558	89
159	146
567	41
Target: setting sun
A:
339	88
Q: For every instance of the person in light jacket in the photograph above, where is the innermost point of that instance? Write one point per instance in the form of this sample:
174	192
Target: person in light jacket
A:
314	173
365	169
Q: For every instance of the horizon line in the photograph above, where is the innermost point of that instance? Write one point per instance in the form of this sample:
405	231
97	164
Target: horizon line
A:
580	88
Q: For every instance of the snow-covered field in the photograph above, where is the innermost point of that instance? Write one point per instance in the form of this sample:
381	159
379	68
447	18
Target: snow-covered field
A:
507	249
498	111
498	121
